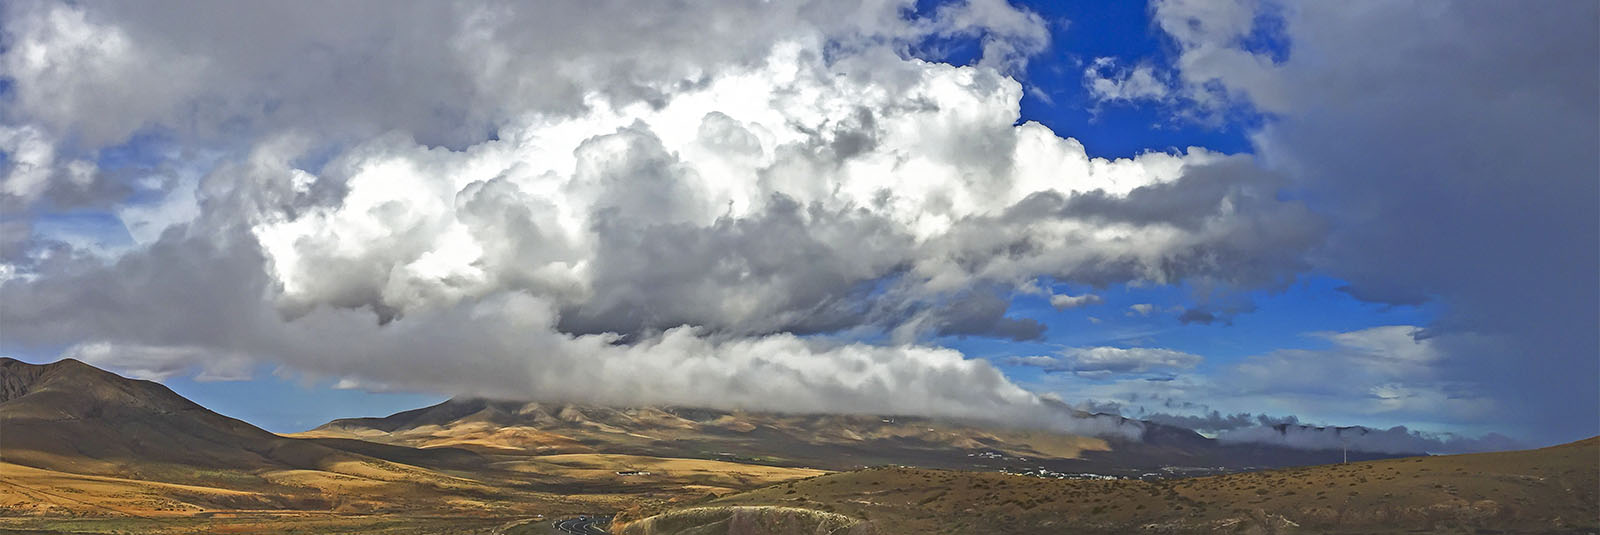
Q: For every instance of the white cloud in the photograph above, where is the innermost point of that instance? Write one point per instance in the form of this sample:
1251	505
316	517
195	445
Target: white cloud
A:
157	363
1213	64
1130	360
1104	361
1107	82
829	156
33	166
73	73
1392	342
1064	301
445	74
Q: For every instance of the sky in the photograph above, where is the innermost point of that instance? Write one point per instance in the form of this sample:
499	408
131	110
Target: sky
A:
1224	215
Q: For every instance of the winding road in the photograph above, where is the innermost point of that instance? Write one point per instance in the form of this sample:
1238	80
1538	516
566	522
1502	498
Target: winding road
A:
583	525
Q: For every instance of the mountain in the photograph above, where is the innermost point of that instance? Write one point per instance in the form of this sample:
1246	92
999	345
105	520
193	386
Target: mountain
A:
78	441
72	416
1550	490
827	441
86	451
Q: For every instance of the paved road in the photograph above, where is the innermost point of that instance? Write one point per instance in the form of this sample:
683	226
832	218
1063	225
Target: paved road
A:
586	525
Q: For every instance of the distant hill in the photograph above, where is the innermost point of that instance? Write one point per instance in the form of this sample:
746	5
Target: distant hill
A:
77	442
829	441
1551	490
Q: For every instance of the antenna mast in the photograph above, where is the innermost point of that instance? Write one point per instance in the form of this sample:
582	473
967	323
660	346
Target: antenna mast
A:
1344	444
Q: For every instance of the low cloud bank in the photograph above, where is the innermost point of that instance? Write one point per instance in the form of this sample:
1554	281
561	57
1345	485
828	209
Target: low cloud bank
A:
1215	422
1290	432
1397	440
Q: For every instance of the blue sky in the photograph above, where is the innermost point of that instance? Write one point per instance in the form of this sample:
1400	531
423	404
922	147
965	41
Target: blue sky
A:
1089	30
288	250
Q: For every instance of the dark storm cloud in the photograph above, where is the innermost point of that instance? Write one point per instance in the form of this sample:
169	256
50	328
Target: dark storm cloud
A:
1450	147
984	314
1195	315
1477	185
789	268
1215	421
1394	440
15	238
1252	238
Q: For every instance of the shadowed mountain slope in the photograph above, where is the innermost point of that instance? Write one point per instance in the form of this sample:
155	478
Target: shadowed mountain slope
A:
74	417
76	440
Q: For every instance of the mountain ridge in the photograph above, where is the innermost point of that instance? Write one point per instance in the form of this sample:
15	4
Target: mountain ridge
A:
784	438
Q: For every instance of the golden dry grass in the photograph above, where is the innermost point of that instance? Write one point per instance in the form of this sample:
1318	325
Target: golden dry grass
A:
349	493
1552	489
745	520
706	473
822	441
480	436
31	491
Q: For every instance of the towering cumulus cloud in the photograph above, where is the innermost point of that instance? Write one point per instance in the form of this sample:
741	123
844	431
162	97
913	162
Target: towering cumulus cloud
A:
760	205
